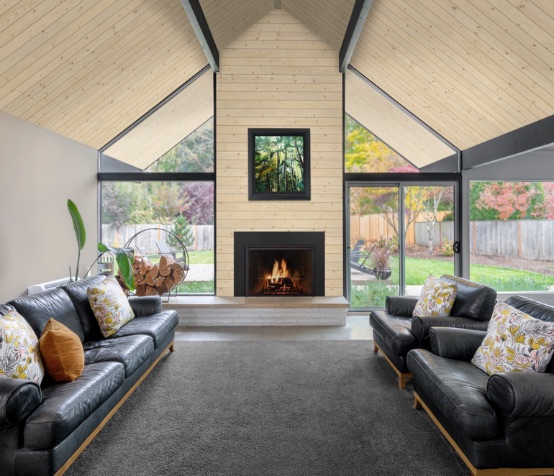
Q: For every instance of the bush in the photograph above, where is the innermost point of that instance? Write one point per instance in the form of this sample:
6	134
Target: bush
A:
447	248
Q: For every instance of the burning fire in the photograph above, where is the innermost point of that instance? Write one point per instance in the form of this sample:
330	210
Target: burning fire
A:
278	272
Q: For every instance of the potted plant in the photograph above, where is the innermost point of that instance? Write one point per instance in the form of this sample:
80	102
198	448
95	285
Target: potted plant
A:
380	259
123	256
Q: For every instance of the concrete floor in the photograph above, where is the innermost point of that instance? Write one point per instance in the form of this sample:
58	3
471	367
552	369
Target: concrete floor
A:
356	328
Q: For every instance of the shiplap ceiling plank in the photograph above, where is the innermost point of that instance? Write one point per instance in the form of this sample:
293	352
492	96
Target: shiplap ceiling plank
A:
393	126
227	19
471	69
88	69
327	18
131	41
34	52
482	85
483	51
55	66
167	126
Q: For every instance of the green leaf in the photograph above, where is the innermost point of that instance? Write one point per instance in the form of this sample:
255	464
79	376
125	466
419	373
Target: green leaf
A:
124	258
80	232
78	225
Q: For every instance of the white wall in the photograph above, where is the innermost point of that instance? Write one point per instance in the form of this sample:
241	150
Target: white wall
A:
39	171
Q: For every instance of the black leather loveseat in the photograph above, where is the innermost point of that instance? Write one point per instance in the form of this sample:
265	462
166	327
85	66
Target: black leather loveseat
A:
495	422
396	332
43	429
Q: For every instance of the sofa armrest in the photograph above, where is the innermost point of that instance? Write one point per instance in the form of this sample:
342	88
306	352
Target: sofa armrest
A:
421	326
145	305
18	399
455	343
400	305
522	394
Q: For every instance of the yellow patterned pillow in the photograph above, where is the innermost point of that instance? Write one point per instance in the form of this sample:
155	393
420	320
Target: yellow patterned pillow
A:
110	306
19	353
436	298
515	342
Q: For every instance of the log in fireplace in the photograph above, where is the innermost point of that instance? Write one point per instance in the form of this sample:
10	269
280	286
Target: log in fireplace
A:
279	263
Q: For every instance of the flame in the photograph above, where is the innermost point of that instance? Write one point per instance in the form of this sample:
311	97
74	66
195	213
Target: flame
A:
278	272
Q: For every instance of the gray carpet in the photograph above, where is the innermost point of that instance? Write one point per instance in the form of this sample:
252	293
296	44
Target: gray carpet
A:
270	408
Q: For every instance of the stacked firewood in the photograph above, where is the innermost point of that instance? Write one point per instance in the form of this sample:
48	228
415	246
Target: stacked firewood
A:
158	278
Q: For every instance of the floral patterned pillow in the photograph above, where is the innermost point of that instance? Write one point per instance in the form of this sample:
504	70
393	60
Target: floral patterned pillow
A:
110	306
515	342
19	353
436	298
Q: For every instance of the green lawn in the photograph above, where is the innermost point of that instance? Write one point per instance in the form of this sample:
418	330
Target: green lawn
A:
201	257
502	279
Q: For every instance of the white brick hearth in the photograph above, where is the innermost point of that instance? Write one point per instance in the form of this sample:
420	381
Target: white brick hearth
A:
259	311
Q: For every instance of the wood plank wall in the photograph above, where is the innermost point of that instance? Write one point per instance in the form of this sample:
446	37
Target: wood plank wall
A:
279	74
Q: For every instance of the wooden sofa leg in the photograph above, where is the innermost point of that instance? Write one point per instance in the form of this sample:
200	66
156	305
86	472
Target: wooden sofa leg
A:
416	403
375	348
402	382
172	347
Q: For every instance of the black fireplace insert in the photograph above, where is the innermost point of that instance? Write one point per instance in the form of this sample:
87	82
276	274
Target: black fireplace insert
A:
279	263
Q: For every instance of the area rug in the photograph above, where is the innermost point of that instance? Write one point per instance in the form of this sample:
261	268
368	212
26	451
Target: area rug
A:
270	408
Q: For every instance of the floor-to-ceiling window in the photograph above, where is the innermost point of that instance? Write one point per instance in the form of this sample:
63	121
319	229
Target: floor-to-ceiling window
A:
511	235
157	190
400	222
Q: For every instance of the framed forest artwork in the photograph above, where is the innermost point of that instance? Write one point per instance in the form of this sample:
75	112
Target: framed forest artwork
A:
279	164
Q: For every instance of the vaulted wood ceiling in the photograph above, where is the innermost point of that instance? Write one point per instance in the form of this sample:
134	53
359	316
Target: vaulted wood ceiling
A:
471	70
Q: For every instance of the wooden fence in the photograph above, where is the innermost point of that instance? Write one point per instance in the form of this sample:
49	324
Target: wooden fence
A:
528	239
146	242
372	227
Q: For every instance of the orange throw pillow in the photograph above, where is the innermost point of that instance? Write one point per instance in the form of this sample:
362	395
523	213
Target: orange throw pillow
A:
62	352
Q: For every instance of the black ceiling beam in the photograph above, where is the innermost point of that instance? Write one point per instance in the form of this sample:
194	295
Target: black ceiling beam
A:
200	26
353	32
526	138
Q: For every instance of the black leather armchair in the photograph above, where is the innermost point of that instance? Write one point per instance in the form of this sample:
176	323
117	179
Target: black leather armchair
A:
396	332
499	424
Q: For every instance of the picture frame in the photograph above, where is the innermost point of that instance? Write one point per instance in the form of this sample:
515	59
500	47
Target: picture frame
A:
279	164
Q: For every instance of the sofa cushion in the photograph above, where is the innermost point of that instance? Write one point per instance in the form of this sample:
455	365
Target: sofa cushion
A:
39	308
473	300
77	292
109	305
66	405
158	326
458	390
19	352
436	298
515	341
62	352
131	351
394	330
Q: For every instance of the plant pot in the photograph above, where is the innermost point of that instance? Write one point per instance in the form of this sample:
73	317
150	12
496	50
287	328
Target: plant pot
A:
382	273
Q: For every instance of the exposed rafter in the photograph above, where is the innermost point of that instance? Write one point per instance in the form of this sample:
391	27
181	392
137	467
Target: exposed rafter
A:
353	32
200	26
526	138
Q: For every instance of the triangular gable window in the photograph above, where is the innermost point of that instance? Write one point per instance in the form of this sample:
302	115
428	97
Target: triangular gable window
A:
366	153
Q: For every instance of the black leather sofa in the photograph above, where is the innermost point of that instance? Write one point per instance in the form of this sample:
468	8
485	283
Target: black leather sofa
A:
499	424
43	429
396	332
